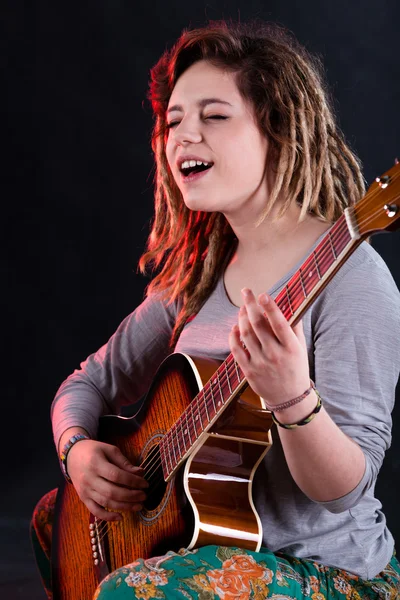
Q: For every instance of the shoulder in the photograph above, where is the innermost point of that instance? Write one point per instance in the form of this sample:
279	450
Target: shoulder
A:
365	273
157	308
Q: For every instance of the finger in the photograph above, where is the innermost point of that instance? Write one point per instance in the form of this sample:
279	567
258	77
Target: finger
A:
108	501
117	493
109	470
247	332
115	456
240	354
277	321
99	511
257	318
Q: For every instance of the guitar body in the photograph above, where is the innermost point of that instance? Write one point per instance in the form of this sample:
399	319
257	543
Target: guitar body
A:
206	501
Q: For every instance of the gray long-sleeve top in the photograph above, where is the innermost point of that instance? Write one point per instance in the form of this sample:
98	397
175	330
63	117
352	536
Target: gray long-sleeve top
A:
353	339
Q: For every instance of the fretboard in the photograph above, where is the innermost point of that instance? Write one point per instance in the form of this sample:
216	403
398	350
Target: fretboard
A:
228	381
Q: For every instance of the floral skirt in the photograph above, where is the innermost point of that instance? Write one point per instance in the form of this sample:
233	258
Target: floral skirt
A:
220	572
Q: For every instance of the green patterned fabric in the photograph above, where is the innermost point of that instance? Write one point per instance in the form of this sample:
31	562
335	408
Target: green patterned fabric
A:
218	572
227	573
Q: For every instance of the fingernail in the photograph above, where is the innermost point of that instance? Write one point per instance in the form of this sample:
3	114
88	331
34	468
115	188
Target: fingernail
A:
265	298
245	292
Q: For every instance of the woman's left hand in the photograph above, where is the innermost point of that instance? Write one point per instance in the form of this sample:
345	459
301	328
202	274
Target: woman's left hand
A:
274	360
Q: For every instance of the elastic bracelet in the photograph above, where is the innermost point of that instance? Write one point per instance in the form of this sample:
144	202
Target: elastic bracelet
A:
64	453
304	421
292	402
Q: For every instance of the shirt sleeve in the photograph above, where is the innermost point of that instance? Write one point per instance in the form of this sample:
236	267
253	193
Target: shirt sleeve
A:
356	332
119	373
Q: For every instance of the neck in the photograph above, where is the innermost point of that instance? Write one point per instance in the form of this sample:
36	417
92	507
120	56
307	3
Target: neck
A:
274	235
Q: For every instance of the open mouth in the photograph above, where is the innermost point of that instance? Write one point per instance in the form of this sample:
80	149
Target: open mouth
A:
191	173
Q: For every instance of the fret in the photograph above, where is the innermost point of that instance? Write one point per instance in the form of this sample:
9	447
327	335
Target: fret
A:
227	376
220	389
188	428
316	264
205	404
196	419
237	371
213	399
196	433
288	299
310	275
177	441
173	448
199	413
182	432
302	284
214	382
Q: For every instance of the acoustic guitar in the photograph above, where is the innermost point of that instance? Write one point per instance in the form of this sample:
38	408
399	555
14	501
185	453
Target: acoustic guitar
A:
200	434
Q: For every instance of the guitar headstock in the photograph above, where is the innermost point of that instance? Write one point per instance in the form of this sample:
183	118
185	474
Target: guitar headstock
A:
379	209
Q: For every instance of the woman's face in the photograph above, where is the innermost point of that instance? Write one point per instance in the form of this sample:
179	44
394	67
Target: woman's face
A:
223	133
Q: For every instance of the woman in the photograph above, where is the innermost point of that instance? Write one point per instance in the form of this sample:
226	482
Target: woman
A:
244	106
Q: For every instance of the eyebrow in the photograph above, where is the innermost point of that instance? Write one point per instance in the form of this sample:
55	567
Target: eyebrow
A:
201	104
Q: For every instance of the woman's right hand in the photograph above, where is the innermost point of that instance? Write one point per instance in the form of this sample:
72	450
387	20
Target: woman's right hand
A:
104	477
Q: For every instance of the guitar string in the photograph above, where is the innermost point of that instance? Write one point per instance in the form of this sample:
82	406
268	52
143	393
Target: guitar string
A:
207	390
206	396
157	459
320	255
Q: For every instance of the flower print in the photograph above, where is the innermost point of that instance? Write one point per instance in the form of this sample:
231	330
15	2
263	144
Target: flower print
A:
260	589
136	579
202	581
268	575
318	596
341	585
227	584
146	591
245	565
314	583
158	578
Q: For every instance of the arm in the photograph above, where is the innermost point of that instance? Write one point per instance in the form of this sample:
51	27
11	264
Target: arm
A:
357	361
119	373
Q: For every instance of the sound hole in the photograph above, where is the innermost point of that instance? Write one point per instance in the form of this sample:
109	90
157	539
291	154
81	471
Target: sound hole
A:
154	476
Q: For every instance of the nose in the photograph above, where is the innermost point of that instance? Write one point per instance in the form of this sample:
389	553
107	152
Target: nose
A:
187	132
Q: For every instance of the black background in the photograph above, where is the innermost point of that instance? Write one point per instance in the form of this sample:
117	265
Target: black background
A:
76	197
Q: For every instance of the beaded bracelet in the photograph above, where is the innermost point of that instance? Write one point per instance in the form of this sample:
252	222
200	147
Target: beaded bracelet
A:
64	453
304	421
292	402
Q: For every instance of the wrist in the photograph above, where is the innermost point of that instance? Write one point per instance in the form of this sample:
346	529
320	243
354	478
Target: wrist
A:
68	433
67	447
298	412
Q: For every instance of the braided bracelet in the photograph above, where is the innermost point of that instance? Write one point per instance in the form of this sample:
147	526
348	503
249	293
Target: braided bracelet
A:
292	402
304	421
64	453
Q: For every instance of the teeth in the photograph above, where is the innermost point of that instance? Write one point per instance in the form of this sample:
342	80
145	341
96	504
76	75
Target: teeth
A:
193	163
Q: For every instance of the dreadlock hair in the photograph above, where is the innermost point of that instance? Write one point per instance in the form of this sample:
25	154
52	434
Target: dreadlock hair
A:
314	166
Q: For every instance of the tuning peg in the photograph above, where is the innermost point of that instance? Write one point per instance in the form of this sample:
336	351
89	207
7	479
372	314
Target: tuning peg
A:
396	161
383	181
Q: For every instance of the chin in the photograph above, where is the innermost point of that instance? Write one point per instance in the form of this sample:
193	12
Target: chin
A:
199	204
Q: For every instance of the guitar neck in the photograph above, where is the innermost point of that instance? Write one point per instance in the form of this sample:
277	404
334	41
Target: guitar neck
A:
228	381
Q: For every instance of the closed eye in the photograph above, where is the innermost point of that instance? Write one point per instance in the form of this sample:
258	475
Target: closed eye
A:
170	125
